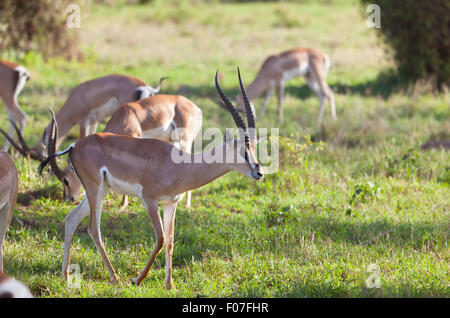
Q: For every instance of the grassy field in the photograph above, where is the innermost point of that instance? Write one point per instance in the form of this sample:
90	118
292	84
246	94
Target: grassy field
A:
358	202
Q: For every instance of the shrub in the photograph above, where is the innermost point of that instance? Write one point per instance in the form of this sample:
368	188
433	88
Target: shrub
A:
37	25
419	33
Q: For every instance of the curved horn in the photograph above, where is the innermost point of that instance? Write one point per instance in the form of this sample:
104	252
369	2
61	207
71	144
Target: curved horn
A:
24	150
237	118
52	147
248	109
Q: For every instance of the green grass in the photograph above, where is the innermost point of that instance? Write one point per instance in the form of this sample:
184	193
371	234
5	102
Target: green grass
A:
366	195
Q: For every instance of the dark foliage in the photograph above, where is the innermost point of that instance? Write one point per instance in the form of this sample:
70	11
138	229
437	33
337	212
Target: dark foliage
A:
37	25
419	33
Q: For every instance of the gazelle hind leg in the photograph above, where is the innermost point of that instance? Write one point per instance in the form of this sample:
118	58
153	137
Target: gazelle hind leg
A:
124	203
4	224
72	220
155	218
95	205
313	84
322	106
330	97
169	223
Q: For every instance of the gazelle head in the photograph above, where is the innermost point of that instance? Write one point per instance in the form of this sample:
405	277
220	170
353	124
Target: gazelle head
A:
36	153
71	184
242	150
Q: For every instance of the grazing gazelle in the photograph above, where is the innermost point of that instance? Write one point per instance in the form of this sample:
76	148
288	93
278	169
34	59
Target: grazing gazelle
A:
146	168
8	196
12	80
282	67
87	105
171	118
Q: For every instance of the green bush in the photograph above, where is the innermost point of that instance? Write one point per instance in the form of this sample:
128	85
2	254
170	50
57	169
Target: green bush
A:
419	33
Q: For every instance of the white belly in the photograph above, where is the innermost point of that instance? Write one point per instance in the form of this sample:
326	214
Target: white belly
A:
121	186
171	199
103	111
162	132
301	70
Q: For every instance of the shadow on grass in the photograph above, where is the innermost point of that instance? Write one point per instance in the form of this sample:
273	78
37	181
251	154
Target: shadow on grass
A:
384	85
199	234
52	192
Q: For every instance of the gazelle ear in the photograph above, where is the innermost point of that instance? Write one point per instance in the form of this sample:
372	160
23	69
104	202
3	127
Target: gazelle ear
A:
261	139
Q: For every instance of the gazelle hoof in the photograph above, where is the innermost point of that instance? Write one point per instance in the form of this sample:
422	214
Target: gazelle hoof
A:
135	281
170	286
114	280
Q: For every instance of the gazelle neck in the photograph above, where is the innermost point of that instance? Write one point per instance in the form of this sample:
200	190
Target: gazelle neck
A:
257	87
200	172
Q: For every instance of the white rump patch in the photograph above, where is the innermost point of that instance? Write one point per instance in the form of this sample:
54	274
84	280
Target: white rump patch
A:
121	186
301	70
15	288
146	91
22	71
23	74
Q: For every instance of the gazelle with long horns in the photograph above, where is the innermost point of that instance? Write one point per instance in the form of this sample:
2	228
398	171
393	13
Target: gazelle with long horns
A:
279	68
87	105
12	81
171	118
145	168
8	196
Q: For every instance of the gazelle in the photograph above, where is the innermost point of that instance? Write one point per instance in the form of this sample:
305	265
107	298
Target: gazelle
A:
87	105
145	168
12	288
279	68
171	118
8	196
12	80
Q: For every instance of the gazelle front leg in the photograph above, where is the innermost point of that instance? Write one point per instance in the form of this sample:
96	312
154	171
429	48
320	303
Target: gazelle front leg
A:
266	100
95	205
92	128
169	224
280	93
4	223
84	130
155	218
